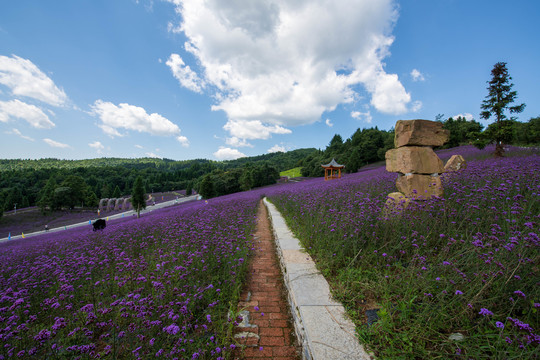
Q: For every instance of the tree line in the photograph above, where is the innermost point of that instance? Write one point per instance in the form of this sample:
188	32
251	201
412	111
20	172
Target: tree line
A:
54	184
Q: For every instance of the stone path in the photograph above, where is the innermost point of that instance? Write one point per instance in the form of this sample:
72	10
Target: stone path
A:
267	331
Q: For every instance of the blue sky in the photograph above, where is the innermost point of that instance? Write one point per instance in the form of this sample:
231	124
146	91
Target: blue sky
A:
186	79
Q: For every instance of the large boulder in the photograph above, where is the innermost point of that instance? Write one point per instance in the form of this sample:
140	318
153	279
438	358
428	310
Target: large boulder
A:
419	187
413	159
455	163
420	133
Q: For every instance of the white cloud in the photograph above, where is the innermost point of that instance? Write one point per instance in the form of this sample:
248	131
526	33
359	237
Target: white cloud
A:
417	75
254	129
183	73
467	116
152	155
130	117
279	63
31	113
277	148
24	78
366	116
18	133
236	142
183	140
56	144
416	106
138	146
329	123
225	153
97	145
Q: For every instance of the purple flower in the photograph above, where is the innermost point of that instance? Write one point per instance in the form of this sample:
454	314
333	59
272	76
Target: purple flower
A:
172	329
485	312
208	318
458	292
520	293
499	325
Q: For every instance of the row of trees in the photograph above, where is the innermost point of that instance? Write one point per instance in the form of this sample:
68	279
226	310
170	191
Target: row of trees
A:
220	182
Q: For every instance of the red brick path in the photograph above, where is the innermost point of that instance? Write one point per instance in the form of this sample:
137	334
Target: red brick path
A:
270	333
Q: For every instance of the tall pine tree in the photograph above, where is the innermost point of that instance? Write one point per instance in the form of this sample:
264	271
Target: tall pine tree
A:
137	197
499	98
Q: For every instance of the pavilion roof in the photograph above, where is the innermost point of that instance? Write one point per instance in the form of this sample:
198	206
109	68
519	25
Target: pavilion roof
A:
333	164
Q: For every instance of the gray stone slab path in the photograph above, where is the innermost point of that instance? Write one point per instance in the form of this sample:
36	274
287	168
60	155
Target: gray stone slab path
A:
320	322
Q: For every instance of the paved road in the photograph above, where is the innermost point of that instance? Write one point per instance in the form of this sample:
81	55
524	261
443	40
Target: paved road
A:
111	217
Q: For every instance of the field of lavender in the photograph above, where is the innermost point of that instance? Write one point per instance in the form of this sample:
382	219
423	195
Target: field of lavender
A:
464	266
453	277
159	286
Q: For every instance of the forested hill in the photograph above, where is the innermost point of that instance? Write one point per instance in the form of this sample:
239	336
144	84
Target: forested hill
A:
282	161
67	183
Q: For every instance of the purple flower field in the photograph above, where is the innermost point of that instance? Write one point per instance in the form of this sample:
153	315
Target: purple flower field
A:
167	285
160	286
466	263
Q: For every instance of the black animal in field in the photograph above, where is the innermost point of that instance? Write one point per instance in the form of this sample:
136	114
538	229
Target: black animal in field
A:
99	224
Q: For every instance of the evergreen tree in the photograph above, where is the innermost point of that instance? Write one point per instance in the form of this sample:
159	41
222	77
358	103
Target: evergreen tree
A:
91	198
189	188
137	196
75	192
116	192
206	188
246	179
46	194
498	100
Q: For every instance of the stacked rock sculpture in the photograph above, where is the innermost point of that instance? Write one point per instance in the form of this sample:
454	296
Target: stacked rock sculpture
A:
415	161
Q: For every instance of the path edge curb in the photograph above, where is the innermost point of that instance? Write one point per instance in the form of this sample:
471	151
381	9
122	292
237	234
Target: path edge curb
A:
321	325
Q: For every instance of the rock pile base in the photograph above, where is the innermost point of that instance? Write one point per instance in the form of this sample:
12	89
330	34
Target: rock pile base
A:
416	162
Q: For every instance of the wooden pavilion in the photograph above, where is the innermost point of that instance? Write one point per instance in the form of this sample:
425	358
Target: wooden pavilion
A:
332	170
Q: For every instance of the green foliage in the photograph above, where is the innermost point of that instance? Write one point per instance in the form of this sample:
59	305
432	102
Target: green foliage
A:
292	173
246	179
108	176
206	189
116	193
527	133
138	196
462	131
365	146
46	195
75	191
189	188
498	100
14	198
